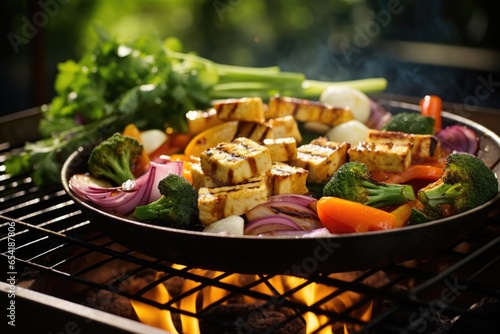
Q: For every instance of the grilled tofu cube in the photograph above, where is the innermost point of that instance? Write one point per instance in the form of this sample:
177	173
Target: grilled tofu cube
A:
250	109
199	120
257	132
282	149
283	127
386	157
220	202
235	162
307	110
273	128
286	179
321	158
424	147
200	179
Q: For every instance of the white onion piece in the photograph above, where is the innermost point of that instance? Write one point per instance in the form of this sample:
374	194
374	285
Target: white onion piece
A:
152	139
352	132
231	225
345	96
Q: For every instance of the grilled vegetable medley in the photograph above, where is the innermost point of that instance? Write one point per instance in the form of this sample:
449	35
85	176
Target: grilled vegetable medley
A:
254	166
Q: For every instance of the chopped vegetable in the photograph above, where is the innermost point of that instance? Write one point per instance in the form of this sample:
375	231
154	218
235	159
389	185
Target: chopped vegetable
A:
176	207
431	106
353	182
379	116
345	96
152	139
458	138
142	163
113	158
231	225
144	82
123	199
420	172
210	137
408	122
292	210
466	183
403	213
187	164
270	224
339	215
352	132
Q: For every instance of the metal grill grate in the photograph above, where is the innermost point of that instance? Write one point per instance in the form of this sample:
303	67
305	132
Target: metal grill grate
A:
58	251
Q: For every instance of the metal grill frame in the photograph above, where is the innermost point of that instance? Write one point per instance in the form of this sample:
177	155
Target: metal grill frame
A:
48	224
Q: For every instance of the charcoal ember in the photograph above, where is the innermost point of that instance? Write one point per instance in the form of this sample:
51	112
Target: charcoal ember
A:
251	318
174	285
413	321
109	302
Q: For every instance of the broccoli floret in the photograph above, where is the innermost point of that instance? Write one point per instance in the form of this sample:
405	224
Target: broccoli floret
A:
410	123
465	184
177	207
113	158
352	181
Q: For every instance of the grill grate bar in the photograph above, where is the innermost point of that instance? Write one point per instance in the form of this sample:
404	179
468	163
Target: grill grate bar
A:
439	277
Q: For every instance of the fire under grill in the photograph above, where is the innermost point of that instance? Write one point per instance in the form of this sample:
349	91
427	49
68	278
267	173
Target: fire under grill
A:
64	275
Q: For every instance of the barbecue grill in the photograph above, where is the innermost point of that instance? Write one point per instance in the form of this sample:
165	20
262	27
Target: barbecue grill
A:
63	275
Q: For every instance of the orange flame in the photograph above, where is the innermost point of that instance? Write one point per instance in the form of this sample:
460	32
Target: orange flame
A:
308	294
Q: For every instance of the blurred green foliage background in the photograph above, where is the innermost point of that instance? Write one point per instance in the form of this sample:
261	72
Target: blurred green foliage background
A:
312	37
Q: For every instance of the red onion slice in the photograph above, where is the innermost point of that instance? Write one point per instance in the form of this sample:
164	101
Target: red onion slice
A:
379	116
269	224
122	200
160	171
303	216
303	200
458	138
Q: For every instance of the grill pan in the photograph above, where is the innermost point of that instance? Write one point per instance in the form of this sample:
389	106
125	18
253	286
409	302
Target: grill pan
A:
290	255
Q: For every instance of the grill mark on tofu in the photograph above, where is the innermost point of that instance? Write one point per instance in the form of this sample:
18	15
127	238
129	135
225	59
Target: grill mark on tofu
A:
321	158
244	109
314	152
235	162
254	131
295	107
307	110
433	146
